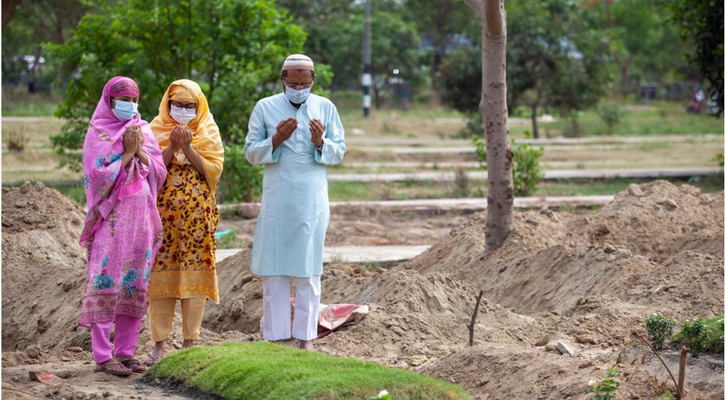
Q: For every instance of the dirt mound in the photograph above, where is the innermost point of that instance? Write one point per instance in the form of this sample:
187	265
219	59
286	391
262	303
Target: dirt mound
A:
631	249
43	269
414	318
658	220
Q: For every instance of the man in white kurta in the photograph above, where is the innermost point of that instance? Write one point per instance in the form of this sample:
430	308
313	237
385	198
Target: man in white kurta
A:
295	135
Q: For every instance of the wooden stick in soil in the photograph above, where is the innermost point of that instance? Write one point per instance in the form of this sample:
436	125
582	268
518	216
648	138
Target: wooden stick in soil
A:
677	388
473	319
681	377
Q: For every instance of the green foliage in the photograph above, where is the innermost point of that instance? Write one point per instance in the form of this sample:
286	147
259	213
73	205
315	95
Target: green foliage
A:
480	151
232	48
526	169
262	370
659	329
605	389
241	181
701	23
461	80
702	335
611	114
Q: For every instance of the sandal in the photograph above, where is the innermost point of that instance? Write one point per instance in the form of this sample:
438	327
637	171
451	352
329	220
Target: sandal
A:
133	364
113	367
152	360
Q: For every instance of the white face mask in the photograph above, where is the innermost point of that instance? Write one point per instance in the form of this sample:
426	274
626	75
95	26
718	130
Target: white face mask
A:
125	110
182	115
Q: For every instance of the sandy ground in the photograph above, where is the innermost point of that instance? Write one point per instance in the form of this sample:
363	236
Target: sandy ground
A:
584	279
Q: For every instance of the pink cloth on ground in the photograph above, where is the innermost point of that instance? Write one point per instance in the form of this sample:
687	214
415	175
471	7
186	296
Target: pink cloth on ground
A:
334	316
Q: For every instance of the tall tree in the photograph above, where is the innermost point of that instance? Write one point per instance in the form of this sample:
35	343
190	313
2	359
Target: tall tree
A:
439	21
233	48
701	22
500	210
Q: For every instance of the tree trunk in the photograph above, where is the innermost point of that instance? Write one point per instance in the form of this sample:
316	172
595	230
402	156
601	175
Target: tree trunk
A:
534	127
500	211
8	9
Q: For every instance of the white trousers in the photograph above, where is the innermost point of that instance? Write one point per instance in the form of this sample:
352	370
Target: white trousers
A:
277	309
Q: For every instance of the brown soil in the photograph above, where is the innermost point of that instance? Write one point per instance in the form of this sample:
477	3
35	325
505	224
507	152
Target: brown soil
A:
585	280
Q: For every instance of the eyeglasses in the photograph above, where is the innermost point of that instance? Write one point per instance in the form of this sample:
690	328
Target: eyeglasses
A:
188	106
300	86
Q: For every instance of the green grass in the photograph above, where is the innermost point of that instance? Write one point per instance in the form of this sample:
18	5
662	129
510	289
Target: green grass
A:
262	370
586	187
17	102
411	190
664	118
230	241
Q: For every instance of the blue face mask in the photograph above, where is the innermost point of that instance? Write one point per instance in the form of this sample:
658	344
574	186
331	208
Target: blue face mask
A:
125	110
297	96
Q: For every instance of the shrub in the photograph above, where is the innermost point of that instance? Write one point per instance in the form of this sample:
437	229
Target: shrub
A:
611	114
525	169
240	180
702	335
659	329
18	140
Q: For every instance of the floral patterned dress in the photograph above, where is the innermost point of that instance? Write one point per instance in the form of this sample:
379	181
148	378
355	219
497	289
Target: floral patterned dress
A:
185	266
118	274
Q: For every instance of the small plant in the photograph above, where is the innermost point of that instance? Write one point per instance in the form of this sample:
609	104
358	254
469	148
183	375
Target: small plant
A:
525	169
702	335
659	329
605	389
18	140
611	114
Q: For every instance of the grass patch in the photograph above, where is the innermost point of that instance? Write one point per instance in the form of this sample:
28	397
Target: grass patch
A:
229	240
413	190
590	187
662	118
17	102
262	370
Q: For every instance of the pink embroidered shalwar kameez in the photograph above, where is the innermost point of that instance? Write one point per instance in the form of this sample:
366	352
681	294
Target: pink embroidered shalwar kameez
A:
122	230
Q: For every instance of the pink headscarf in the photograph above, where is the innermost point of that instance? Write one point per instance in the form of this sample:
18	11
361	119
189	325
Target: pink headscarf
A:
105	179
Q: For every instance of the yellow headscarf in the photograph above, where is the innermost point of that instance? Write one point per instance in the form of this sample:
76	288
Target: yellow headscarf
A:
206	140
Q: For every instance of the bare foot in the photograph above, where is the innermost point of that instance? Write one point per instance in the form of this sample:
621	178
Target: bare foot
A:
187	344
307	345
156	354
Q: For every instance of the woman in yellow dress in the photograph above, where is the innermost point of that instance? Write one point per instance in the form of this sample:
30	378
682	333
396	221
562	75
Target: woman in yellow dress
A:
185	265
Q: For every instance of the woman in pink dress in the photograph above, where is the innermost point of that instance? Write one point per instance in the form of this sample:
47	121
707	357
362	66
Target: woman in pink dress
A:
124	169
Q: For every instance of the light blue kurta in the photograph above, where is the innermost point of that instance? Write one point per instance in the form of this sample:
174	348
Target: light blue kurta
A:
295	212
